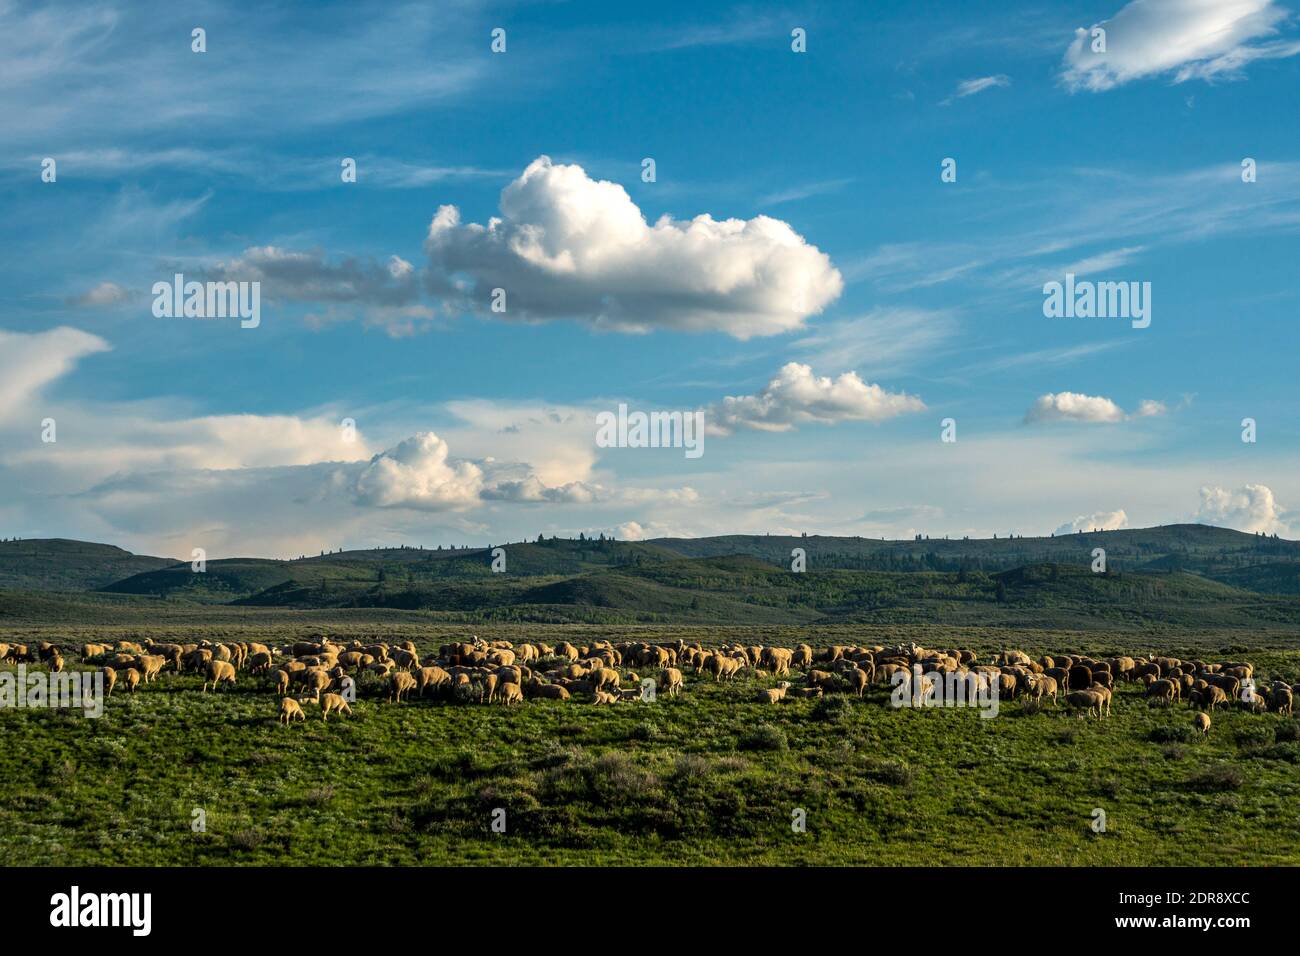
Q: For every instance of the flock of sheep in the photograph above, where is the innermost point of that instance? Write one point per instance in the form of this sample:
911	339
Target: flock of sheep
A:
327	675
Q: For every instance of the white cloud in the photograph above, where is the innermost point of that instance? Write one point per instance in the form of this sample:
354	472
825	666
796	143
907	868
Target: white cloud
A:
1192	39
1097	521
977	85
103	295
568	246
1076	407
29	361
797	396
1250	508
416	473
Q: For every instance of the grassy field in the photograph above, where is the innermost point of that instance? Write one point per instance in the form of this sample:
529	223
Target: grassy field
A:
710	778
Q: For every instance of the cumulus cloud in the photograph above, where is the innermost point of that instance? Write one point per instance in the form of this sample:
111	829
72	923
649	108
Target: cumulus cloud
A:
1190	39
416	473
102	296
568	246
313	277
1250	508
29	361
797	396
1076	407
1097	521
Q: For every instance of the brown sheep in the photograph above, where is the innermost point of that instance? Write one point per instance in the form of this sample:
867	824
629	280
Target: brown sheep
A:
510	694
110	679
329	702
1162	690
1202	723
547	691
259	662
672	682
434	677
400	683
777	660
289	710
858	680
1085	698
131	677
773	695
600	697
219	672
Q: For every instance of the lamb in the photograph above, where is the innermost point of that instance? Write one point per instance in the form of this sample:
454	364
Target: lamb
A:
773	695
329	702
289	710
600	697
219	672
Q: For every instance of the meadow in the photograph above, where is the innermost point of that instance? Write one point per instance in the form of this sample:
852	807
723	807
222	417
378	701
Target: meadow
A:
708	778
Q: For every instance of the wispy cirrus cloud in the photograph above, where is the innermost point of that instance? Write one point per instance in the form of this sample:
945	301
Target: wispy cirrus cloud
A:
1181	39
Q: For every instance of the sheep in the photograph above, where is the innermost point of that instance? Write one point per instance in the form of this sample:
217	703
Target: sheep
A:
1202	723
89	650
259	662
219	672
671	679
773	695
400	683
131	677
546	691
604	677
600	697
1162	690
289	710
316	682
281	682
510	694
150	666
329	702
777	659
434	677
56	663
1085	698
110	679
858	680
1281	699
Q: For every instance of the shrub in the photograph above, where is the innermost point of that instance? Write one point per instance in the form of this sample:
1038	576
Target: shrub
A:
764	737
1288	732
1222	776
896	773
831	709
1173	734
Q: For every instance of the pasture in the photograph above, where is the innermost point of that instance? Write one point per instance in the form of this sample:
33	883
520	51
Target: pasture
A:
711	777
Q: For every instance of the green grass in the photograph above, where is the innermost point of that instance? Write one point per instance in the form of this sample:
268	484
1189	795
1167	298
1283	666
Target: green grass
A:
710	778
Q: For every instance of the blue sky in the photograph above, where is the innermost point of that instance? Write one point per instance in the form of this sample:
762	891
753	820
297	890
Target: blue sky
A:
837	304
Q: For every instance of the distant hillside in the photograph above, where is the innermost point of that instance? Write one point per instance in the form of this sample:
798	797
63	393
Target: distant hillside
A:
57	564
